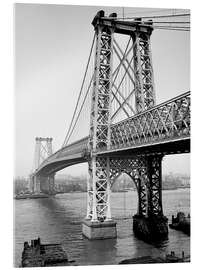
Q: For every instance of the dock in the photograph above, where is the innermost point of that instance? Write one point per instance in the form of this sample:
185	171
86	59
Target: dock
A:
169	258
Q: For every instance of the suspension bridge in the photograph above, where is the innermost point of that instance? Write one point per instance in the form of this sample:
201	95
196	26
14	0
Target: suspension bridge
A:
128	131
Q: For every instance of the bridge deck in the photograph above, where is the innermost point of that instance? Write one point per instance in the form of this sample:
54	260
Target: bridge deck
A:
163	129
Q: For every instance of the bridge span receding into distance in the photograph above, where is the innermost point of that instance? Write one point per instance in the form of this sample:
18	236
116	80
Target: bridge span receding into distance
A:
170	135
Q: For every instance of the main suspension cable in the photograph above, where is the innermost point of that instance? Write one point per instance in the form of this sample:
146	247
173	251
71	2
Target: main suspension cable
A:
173	29
79	96
178	22
80	109
154	16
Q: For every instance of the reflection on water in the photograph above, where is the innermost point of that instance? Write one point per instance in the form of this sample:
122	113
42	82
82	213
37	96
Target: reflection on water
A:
58	219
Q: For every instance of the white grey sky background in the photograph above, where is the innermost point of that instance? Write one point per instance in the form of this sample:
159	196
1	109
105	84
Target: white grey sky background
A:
52	44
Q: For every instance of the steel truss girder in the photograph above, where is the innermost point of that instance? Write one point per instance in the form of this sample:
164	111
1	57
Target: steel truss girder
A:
168	120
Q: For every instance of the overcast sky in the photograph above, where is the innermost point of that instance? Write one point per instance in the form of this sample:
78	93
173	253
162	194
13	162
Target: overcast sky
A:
52	44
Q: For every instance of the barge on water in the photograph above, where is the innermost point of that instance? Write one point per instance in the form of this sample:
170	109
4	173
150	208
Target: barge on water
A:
181	223
40	255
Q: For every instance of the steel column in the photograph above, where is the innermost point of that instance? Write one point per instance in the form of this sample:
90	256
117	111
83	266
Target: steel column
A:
144	77
100	122
154	185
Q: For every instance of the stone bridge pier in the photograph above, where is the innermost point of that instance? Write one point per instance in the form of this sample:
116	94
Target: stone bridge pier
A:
47	184
149	223
42	184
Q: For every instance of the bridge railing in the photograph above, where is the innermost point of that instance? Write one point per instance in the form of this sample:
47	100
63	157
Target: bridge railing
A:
168	120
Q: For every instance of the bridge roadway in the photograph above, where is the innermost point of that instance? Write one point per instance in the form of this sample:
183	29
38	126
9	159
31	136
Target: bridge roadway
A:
163	129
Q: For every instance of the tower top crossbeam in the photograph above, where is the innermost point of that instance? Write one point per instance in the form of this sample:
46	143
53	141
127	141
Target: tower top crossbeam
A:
43	139
122	27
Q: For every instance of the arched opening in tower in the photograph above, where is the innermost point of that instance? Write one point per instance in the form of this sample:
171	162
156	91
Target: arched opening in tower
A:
124	198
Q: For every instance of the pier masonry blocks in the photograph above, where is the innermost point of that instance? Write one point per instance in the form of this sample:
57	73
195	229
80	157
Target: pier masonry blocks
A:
99	230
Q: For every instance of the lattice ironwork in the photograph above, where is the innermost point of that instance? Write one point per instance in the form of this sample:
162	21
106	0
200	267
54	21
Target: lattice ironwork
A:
98	195
100	110
142	197
89	192
136	169
169	120
144	81
145	172
107	90
154	185
123	86
100	120
134	92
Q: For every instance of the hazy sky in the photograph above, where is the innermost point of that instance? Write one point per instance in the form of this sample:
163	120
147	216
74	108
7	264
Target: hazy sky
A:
52	44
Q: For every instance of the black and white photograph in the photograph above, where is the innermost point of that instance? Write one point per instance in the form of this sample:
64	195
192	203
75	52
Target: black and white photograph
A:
102	135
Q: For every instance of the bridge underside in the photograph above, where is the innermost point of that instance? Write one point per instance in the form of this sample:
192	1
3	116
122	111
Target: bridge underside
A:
179	146
176	146
60	165
165	148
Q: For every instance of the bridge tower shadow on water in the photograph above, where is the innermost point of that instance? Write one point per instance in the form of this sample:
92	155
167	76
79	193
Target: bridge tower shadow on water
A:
145	170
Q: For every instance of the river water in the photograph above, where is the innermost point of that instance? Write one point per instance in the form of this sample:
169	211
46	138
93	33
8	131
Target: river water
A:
58	219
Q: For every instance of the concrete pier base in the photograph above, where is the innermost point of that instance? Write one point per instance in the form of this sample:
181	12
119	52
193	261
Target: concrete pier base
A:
99	230
150	229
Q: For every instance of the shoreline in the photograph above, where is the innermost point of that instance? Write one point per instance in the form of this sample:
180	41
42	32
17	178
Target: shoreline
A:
121	191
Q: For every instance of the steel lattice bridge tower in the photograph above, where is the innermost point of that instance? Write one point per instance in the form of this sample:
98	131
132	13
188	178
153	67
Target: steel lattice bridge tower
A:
135	146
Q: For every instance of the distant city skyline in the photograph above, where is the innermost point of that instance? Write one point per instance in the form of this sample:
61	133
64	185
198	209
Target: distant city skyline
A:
51	50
